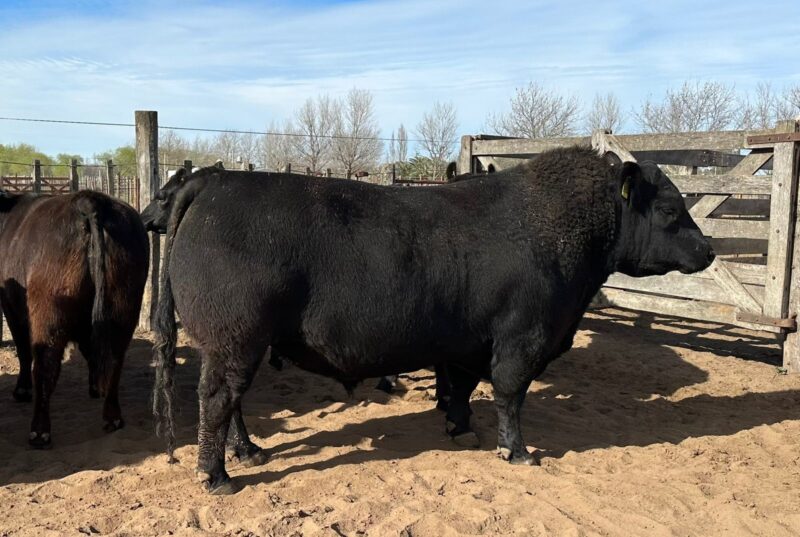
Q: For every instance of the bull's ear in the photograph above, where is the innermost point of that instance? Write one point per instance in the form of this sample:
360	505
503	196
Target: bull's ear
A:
613	160
629	180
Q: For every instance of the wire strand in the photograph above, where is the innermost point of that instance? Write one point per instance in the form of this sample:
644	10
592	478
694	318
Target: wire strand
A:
231	131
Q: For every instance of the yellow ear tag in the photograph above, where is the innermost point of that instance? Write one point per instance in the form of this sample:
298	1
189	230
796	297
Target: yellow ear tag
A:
626	189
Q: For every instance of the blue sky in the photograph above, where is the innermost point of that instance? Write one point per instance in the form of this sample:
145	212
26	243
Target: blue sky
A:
241	64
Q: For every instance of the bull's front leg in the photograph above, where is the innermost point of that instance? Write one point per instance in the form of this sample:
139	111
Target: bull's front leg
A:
514	367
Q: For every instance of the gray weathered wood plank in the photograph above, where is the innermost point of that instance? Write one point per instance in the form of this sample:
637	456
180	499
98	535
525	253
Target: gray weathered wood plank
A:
681	285
782	223
677	307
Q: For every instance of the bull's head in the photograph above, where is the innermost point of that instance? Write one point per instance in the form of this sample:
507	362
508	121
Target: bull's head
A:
656	233
156	215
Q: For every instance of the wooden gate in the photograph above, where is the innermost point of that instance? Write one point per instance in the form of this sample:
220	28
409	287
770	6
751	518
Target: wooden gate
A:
749	213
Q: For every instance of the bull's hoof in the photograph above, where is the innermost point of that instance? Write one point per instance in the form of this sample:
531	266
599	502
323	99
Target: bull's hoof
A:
113	425
221	486
468	440
39	440
522	459
462	436
23	395
225	489
257	458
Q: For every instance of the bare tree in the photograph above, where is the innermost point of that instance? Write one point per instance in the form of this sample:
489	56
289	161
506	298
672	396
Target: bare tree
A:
537	112
788	103
225	146
315	122
604	114
437	132
758	111
703	106
398	147
172	148
356	145
278	150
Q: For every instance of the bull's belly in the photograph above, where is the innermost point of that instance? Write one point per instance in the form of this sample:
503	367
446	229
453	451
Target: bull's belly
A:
352	364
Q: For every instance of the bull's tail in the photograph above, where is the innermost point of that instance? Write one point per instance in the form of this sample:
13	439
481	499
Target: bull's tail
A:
166	333
101	358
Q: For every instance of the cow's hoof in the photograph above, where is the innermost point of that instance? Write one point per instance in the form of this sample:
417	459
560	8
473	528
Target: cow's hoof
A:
113	425
257	458
39	440
385	385
23	395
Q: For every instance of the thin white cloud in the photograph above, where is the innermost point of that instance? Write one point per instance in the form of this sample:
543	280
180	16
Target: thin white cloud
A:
242	64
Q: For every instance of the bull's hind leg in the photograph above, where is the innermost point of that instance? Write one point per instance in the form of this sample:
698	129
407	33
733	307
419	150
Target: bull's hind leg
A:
46	368
462	383
224	377
513	370
239	444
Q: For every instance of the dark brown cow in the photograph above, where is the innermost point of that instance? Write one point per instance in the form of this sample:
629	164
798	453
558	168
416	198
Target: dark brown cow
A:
72	268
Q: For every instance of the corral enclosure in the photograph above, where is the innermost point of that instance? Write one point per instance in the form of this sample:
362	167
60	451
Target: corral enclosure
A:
742	190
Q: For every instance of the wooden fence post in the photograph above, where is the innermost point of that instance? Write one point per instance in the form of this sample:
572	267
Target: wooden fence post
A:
112	190
147	168
287	168
187	165
73	176
328	173
786	160
465	164
37	176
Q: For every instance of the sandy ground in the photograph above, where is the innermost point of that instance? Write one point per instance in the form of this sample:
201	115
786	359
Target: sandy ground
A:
680	430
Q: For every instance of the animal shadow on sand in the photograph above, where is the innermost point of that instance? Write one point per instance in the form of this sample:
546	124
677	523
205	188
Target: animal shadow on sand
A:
611	392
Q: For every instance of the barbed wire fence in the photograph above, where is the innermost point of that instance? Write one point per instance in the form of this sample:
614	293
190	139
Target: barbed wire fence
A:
108	177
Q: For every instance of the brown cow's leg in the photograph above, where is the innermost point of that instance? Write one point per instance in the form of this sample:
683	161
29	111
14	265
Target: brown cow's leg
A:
46	368
20	332
86	349
239	443
112	414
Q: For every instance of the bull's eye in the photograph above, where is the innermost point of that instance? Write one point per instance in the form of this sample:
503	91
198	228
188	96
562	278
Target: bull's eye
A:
669	212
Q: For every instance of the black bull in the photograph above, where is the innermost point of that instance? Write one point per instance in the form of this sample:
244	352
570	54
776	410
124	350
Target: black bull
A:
490	275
